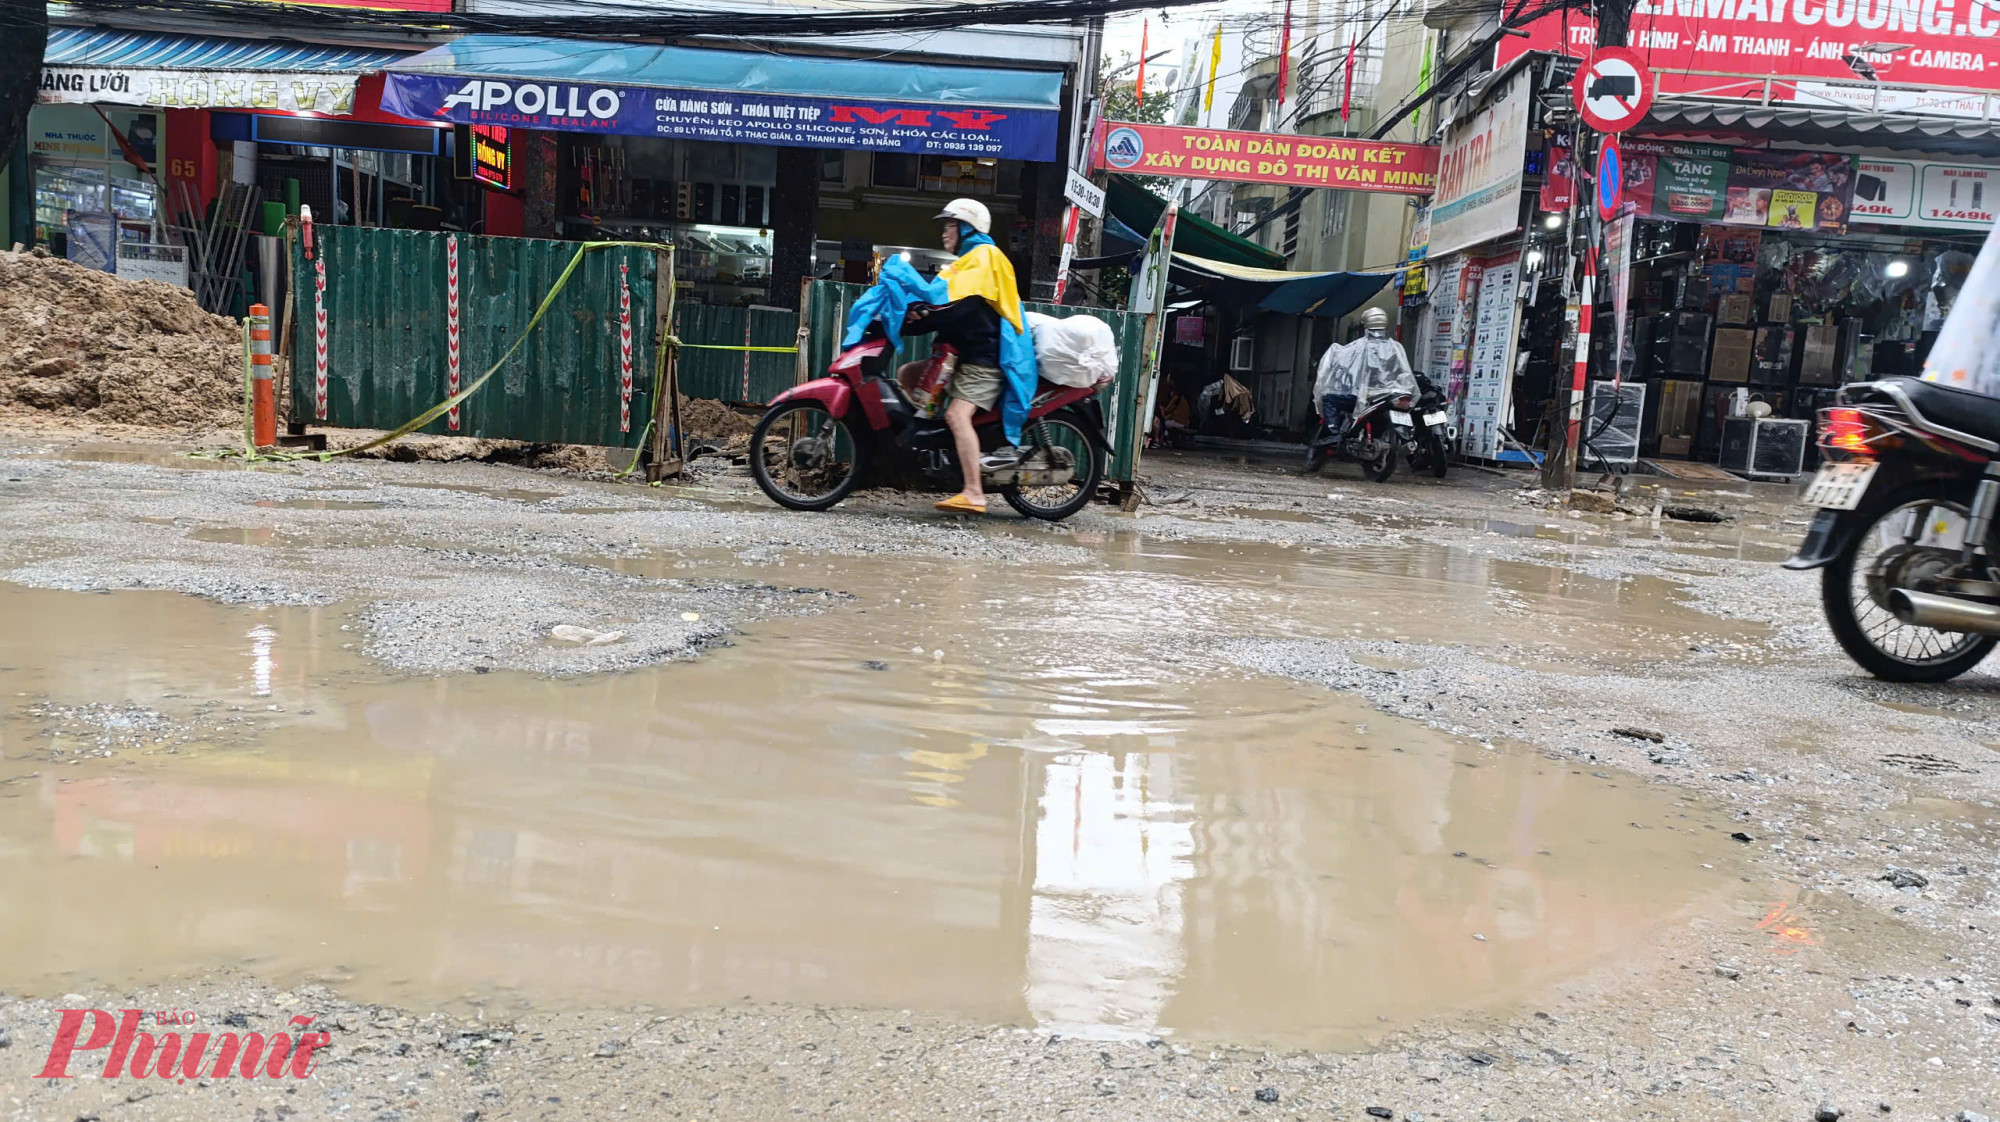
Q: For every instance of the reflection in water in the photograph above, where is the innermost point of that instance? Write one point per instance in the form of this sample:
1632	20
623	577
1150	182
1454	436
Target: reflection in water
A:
1112	851
1013	831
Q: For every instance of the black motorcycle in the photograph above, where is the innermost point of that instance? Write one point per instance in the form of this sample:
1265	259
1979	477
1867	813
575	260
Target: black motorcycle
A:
1910	565
1425	431
1370	438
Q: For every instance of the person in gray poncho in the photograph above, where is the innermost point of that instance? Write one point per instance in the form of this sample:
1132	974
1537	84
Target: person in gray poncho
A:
1359	372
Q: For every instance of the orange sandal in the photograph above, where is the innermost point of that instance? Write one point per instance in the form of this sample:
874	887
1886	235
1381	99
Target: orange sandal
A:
959	504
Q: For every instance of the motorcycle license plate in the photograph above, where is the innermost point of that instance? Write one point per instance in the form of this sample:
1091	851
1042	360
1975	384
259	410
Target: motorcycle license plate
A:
1435	420
1396	418
1840	486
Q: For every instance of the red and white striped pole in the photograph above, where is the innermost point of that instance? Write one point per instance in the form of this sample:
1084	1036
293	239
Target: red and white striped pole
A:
1579	381
452	362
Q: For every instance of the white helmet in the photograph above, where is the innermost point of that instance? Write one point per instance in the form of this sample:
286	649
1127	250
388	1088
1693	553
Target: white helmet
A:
971	212
1374	317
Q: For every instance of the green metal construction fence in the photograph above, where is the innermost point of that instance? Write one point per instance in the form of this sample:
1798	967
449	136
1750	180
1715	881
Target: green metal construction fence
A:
378	314
831	299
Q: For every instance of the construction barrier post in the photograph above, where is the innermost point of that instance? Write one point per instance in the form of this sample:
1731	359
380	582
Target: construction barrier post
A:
263	402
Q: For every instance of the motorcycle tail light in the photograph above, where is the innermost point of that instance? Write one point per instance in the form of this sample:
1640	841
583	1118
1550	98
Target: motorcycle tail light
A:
1847	430
1404	402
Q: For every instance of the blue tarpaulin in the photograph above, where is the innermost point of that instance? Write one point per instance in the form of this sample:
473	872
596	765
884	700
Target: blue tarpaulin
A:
1328	295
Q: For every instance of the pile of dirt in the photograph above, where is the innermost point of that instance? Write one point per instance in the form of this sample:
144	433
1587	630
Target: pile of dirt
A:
704	421
75	342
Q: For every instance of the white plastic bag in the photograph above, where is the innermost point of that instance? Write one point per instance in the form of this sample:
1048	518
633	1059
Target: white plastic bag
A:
1077	351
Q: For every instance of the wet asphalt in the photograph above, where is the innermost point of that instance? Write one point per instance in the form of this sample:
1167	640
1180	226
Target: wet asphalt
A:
1748	942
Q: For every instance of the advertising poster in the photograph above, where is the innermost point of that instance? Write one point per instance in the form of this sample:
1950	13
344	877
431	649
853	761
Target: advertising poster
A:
1740	186
1954	195
1789	190
1490	377
1885	190
1479	173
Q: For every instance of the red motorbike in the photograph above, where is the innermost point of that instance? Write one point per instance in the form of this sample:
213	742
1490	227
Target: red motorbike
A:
821	440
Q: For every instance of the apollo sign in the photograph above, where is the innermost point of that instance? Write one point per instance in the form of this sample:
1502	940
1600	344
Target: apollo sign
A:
552	100
743	116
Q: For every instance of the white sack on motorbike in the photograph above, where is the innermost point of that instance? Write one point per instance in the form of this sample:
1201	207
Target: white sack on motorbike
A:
1076	351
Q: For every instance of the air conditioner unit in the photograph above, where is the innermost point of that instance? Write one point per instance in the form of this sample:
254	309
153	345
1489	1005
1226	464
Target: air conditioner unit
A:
1242	350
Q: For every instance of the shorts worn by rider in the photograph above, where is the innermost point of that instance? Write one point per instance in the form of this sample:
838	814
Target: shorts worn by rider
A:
972	326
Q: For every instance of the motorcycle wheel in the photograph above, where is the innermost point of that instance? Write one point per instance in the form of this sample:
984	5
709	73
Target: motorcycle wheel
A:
1057	502
1853	585
804	457
1383	466
1434	440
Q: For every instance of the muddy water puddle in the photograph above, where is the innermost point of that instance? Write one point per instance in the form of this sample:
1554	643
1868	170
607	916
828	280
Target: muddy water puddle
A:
870	808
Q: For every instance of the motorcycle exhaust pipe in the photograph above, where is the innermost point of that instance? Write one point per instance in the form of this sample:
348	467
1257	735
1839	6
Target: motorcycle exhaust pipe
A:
1945	613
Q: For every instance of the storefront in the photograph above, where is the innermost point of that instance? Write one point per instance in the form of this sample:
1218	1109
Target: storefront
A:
762	168
138	138
1775	275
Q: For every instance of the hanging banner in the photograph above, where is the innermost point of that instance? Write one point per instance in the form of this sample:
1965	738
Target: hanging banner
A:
1478	194
1618	266
1924	193
752	118
1931	44
1739	186
198	89
1263	157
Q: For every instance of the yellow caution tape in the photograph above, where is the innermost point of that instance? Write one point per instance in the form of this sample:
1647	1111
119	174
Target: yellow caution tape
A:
724	347
448	404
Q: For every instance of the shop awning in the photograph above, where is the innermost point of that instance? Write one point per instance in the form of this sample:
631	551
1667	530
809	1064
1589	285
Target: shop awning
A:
1942	136
754	97
1139	209
83	66
1327	295
78	46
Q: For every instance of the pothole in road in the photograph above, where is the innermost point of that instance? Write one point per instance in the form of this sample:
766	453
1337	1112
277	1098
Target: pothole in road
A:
1030	824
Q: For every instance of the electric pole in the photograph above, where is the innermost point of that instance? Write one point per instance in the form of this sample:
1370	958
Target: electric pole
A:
1614	24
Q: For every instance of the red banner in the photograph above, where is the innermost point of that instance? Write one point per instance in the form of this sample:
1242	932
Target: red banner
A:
1809	40
1264	157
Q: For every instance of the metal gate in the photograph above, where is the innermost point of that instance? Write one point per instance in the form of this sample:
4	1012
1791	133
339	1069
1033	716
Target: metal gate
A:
388	323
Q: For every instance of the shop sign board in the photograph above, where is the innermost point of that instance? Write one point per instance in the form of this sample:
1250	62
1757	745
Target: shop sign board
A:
58	135
743	117
198	89
1922	193
391	5
1260	157
1739	186
492	155
1936	43
1479	172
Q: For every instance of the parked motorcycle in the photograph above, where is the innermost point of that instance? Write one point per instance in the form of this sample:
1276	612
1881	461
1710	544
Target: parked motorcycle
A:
1369	439
1904	534
818	441
1426	436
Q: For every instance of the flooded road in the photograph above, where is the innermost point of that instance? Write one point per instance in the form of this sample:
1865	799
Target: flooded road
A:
551	799
865	807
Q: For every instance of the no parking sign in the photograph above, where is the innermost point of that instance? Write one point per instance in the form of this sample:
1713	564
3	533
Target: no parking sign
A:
1610	178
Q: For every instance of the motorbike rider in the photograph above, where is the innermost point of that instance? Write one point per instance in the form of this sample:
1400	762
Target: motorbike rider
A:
1360	371
984	323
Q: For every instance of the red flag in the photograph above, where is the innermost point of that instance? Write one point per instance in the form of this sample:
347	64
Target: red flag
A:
1347	92
1285	53
1139	83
